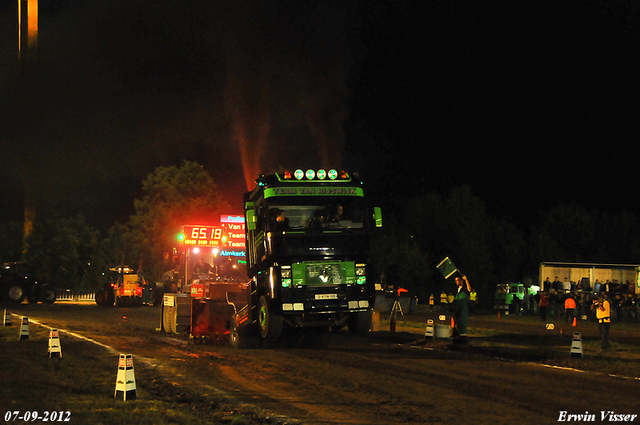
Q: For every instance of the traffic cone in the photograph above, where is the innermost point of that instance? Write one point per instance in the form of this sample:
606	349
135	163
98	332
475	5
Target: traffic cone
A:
7	318
54	344
429	332
576	345
126	380
575	323
24	328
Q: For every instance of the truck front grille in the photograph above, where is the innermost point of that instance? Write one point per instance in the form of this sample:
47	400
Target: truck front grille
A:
324	274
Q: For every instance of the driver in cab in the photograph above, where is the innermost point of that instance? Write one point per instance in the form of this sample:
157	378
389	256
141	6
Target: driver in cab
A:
281	220
202	267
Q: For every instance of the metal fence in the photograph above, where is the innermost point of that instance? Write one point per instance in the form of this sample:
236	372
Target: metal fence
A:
69	295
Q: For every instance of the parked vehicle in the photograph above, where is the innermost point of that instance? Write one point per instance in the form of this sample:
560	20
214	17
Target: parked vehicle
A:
511	296
18	284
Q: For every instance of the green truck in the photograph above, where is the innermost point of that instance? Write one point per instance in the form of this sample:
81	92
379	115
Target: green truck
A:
307	256
510	296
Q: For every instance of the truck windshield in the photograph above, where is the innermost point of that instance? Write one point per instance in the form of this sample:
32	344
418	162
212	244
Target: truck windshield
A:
328	213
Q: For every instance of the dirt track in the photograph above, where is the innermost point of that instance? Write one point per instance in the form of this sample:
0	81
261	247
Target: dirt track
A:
381	379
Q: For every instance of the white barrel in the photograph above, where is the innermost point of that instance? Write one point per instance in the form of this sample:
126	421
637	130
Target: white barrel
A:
443	331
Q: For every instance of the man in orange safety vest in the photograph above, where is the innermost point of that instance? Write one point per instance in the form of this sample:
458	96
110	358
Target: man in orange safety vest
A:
569	308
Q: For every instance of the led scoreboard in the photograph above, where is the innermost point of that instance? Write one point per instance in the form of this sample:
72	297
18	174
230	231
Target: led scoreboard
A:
203	236
235	238
229	236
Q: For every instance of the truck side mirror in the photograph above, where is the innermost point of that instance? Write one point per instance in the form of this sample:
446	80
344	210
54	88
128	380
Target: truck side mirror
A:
251	220
377	215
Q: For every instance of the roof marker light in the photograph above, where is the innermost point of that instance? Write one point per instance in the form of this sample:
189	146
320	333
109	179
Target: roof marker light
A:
298	174
310	174
321	174
333	174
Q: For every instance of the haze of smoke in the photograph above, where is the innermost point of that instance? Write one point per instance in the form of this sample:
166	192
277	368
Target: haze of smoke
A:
285	86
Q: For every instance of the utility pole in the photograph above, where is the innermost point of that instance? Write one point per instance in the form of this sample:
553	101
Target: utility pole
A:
27	28
27	49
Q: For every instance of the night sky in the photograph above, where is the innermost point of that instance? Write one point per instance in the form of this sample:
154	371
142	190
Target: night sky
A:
530	103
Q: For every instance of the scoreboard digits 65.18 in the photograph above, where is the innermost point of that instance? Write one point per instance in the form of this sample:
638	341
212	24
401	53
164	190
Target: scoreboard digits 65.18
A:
203	235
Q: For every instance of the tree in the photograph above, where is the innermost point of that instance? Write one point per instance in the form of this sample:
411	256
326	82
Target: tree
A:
508	250
568	232
617	238
398	259
65	252
11	241
565	233
487	249
172	196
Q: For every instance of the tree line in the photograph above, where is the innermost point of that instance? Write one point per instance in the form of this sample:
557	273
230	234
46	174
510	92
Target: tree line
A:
490	249
70	253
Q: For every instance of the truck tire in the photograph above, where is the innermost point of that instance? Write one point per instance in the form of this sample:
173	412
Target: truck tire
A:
269	322
240	340
48	294
360	323
15	292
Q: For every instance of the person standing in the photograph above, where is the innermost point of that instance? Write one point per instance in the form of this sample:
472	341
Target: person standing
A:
597	286
569	308
473	300
544	303
546	286
461	308
450	299
443	300
603	314
556	285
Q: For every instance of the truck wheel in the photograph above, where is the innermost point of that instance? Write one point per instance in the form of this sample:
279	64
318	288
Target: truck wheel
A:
15	292
240	340
48	294
360	323
270	323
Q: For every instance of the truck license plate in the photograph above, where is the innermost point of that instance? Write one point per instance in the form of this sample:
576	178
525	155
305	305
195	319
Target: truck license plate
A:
326	296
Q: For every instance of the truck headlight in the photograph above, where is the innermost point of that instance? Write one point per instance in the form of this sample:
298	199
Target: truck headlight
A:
285	275
285	272
361	277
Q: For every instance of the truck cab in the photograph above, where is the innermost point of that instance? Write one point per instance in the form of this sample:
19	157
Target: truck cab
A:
307	239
